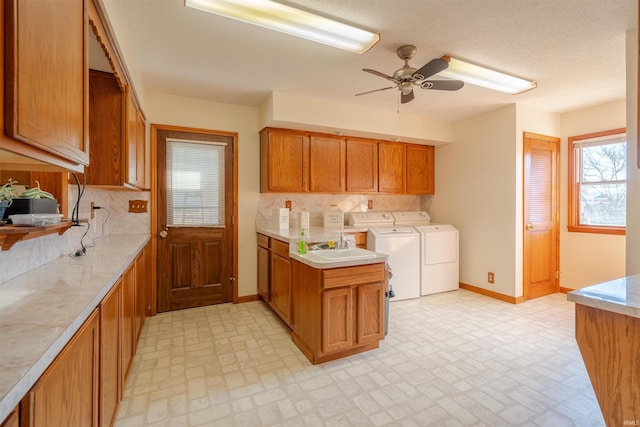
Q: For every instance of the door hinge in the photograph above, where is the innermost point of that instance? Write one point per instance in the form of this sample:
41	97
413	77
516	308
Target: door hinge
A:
233	220
558	274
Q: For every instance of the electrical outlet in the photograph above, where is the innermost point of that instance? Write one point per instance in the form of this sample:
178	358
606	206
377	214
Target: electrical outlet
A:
287	204
92	215
137	206
491	277
369	204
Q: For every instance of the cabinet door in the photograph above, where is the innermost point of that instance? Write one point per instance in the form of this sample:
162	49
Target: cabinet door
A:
284	161
420	169
140	295
281	286
126	327
281	280
110	386
362	166
327	164
337	319
13	420
106	110
46	78
370	322
263	267
135	145
67	393
391	167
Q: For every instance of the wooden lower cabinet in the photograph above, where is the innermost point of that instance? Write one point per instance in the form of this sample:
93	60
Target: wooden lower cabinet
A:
67	393
127	348
280	292
110	377
13	420
264	261
338	312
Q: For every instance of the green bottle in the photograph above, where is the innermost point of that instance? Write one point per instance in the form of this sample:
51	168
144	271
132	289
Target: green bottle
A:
302	248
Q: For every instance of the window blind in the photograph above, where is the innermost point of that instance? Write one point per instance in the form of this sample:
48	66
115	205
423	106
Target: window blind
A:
195	183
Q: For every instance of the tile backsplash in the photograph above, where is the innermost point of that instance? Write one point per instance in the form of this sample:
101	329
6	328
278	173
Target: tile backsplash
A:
317	203
113	218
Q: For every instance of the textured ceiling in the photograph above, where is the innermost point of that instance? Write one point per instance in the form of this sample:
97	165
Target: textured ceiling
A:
574	49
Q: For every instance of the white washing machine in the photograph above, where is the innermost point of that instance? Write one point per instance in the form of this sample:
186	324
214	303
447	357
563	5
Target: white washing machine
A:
439	264
400	244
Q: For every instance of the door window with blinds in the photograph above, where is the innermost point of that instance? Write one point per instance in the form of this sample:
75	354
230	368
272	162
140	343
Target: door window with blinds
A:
195	183
598	182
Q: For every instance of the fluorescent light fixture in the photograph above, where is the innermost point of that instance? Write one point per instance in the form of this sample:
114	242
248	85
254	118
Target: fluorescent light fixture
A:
289	20
481	76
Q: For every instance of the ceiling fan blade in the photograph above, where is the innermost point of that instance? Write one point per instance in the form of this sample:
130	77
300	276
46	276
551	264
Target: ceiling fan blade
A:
404	98
442	84
379	74
430	68
375	90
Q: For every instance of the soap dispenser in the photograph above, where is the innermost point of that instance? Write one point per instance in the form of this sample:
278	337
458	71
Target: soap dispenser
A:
302	248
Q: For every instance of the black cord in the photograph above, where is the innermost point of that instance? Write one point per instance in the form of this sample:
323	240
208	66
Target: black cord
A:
75	220
83	250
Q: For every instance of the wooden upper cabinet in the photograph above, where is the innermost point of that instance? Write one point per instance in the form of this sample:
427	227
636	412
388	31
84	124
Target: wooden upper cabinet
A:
327	164
284	161
106	109
46	81
420	169
391	167
135	145
362	166
293	161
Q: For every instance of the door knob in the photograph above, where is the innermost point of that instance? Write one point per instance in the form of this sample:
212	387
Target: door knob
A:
163	234
529	226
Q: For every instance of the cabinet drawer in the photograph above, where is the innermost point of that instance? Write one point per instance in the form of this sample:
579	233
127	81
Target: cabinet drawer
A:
280	248
348	276
263	241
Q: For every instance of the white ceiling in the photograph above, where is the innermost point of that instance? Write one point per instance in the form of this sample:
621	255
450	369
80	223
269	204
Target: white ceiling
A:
574	49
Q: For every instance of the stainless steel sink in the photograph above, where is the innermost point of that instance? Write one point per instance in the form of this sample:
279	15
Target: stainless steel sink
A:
344	254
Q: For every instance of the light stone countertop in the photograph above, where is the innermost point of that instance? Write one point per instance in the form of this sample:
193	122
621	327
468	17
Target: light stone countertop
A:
42	309
620	296
315	235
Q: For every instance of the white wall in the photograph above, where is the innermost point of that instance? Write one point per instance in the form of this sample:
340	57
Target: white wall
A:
179	111
588	258
475	191
633	172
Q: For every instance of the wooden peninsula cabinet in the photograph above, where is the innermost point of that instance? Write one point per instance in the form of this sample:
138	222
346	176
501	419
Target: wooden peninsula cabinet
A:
264	264
338	311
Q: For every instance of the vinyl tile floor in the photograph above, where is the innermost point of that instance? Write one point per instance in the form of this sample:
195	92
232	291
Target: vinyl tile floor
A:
450	359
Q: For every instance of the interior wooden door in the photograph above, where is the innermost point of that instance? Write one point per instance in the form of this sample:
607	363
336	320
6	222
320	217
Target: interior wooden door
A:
195	217
541	217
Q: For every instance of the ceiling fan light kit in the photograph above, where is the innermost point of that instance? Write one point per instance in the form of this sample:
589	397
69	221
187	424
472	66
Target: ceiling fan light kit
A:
485	77
292	21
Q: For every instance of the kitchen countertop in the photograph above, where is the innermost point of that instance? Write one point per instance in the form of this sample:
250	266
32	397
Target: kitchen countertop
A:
320	234
42	309
620	296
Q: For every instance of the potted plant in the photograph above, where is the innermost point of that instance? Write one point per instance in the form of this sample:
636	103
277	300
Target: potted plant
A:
7	193
33	201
